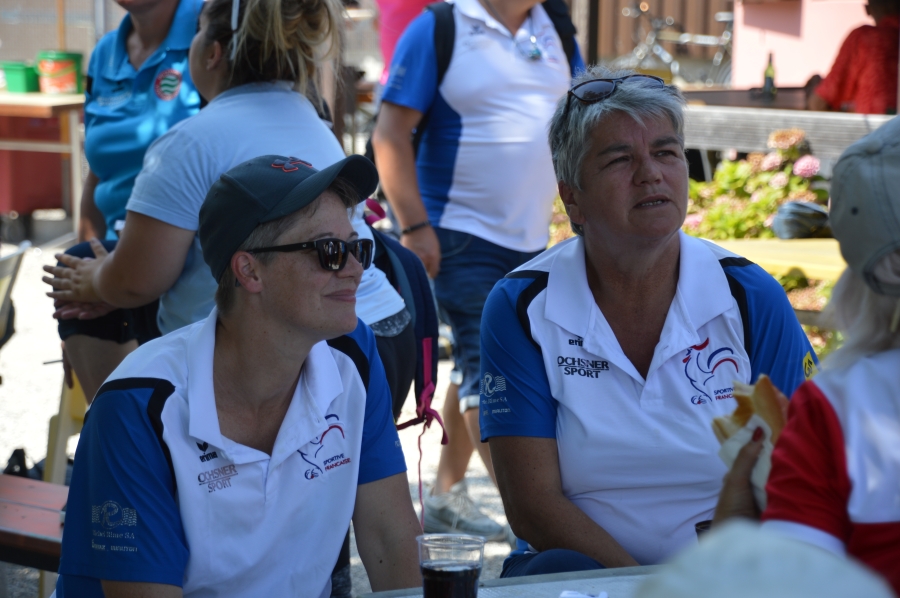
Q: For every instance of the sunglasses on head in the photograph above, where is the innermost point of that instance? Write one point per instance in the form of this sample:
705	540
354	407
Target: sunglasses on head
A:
333	253
597	90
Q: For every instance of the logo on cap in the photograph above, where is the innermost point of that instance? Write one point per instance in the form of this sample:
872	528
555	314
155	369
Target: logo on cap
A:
290	165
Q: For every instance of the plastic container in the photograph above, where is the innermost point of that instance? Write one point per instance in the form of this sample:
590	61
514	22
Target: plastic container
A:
59	72
20	77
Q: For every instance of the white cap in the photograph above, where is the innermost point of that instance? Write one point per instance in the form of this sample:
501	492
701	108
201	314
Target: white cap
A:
742	560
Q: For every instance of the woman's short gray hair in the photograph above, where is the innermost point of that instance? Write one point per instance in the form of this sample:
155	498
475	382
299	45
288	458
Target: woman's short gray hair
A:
569	132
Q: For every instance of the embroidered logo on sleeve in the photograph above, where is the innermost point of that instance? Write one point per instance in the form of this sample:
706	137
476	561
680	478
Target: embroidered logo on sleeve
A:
167	84
109	516
809	366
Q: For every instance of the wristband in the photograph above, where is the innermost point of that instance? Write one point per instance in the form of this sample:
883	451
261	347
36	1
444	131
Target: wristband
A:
415	227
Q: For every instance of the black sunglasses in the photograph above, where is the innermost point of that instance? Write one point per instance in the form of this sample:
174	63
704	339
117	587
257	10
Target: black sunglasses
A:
333	253
597	90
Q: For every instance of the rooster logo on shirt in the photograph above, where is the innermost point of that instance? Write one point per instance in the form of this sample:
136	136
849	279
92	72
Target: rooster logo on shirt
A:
322	456
700	365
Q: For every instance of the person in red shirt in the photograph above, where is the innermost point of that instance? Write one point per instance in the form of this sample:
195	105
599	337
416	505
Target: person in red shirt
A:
835	477
863	78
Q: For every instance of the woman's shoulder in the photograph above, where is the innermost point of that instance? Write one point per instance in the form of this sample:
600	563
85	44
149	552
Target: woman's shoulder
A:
868	381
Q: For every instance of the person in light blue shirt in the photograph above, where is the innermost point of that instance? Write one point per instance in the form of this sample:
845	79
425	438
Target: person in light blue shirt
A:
138	86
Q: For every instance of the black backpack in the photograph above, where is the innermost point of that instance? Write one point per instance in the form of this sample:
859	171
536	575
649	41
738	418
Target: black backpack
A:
445	34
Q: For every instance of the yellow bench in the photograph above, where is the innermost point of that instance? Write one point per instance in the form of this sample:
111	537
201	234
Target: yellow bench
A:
819	259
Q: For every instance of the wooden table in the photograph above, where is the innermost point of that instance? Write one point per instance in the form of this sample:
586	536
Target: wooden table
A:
618	583
30	529
39	105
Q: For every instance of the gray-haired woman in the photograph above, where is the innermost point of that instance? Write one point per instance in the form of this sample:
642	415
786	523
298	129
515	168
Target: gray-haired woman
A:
606	358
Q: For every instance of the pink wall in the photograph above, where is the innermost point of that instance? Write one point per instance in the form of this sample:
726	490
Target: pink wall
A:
803	35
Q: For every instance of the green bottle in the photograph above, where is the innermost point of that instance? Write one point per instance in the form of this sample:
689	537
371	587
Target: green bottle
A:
769	89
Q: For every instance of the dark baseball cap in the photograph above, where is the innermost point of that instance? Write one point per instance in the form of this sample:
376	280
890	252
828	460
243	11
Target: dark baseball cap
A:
265	189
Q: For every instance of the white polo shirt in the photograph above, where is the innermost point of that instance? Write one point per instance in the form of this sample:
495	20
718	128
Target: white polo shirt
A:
159	495
637	455
484	161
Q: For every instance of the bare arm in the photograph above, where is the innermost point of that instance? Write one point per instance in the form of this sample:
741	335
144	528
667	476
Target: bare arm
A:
123	589
386	527
396	161
528	476
91	224
147	261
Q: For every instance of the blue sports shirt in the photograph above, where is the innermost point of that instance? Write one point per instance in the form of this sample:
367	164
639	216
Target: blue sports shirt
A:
126	109
159	495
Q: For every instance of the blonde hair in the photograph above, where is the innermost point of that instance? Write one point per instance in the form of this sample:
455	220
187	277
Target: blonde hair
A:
276	40
863	316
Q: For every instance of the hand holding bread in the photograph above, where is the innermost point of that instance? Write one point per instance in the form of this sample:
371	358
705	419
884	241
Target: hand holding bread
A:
761	398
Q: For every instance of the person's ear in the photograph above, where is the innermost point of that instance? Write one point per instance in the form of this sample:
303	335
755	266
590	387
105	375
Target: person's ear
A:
567	195
215	55
246	272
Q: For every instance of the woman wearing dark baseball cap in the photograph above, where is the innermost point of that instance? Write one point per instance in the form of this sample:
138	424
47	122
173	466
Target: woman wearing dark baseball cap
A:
232	454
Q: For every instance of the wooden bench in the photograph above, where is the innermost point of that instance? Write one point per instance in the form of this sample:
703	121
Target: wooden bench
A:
30	528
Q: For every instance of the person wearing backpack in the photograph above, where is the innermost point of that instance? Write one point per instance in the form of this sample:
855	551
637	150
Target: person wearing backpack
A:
477	81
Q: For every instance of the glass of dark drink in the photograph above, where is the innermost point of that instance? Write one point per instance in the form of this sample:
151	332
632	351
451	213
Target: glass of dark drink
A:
451	565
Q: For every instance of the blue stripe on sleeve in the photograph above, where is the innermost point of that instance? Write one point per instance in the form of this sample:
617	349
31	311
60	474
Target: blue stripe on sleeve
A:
413	74
515	393
122	519
778	345
380	453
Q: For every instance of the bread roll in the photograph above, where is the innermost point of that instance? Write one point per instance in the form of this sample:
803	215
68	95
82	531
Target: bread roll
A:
760	398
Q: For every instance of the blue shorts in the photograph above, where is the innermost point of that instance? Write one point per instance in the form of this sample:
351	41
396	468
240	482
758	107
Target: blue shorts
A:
470	267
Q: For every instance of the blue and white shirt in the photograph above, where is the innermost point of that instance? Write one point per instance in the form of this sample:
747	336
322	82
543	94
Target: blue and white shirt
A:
125	109
484	162
159	495
637	455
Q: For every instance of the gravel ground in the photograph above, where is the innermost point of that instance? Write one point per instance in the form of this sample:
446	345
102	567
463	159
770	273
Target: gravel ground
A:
29	396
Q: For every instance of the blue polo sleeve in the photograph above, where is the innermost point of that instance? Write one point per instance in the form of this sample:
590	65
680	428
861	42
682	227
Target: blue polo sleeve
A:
515	391
380	454
122	518
413	74
777	345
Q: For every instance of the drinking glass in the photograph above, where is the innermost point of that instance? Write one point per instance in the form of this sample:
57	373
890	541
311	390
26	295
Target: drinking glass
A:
451	565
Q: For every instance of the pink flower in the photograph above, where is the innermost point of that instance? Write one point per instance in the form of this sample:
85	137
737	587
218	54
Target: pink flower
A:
806	166
779	181
693	221
771	162
757	195
769	220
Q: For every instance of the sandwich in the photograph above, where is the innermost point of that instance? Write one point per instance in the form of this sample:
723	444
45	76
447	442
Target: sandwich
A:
760	398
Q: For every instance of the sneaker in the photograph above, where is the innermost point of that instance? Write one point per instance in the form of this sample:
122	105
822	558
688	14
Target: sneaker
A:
454	511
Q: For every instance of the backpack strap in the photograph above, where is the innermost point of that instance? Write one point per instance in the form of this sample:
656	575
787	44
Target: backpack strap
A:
558	11
406	273
444	36
444	40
